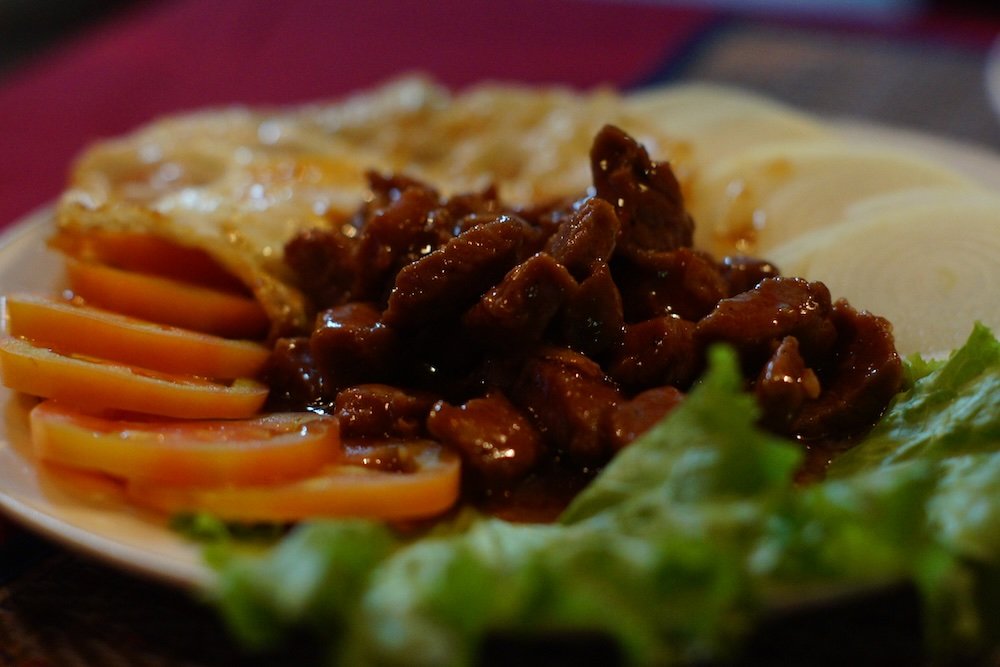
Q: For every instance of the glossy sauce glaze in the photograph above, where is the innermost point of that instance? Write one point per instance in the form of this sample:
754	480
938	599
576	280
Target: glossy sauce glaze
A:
538	342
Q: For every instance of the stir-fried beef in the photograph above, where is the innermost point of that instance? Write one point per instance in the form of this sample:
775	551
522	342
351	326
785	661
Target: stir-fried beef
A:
784	385
516	312
744	273
630	419
645	194
569	397
351	345
593	321
538	342
585	240
452	278
777	307
377	411
864	375
498	442
658	351
680	283
296	383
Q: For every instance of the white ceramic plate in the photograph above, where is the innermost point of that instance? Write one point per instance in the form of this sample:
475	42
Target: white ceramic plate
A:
107	528
84	519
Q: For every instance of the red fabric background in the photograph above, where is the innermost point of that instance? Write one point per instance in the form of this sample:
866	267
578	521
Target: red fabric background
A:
169	56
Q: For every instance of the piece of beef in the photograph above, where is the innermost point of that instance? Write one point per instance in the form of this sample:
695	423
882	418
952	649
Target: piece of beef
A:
378	411
743	273
784	385
756	321
517	311
660	351
684	283
585	240
452	278
630	419
568	397
495	439
867	372
593	321
351	345
645	194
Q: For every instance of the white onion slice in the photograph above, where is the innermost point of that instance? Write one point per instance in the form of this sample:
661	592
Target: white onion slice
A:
929	261
760	198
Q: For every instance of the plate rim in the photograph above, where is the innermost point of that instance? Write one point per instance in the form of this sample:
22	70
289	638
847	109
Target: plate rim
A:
40	515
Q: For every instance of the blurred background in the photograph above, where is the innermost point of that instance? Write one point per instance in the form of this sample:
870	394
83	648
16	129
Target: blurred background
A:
28	26
73	71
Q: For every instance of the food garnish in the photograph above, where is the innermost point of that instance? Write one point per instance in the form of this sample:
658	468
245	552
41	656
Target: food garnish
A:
424	483
94	332
166	300
96	384
199	453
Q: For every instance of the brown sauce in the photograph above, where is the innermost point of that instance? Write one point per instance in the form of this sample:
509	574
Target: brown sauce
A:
536	343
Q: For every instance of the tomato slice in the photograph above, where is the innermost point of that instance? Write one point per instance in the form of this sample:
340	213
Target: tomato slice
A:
267	449
429	489
94	384
145	253
83	330
94	489
167	301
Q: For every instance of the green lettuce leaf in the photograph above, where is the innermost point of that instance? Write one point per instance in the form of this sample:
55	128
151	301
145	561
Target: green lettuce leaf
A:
965	510
949	411
709	448
690	535
313	579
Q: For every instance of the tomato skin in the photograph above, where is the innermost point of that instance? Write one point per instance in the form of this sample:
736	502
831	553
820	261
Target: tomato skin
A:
338	491
145	253
272	448
79	329
167	300
96	385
